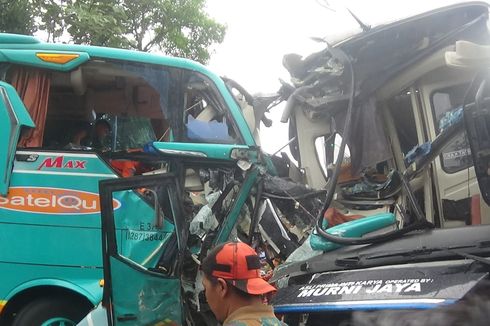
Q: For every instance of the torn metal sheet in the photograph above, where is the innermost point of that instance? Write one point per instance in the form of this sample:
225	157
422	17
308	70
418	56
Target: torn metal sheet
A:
378	55
205	221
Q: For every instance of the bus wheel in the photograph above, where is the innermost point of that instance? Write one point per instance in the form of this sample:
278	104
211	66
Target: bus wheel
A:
51	312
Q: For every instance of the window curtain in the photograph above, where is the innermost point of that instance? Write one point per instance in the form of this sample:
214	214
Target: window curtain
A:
33	85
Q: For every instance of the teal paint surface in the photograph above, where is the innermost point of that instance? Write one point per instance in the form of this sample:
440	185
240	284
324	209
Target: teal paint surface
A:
37	178
7	38
151	297
20	110
86	283
67	246
59	163
205	151
232	218
13	116
138	238
269	165
54	245
29	58
356	228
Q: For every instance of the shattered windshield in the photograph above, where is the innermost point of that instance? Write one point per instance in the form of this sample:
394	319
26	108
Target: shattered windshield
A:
130	132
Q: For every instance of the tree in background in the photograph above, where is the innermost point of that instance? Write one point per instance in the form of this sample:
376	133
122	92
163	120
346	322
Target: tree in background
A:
97	23
16	17
178	27
175	27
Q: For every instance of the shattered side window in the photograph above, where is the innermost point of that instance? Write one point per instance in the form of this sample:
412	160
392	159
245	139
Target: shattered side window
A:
206	118
147	230
446	104
130	132
327	151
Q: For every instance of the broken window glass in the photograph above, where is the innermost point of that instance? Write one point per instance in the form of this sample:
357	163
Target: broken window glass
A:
457	155
130	132
206	118
327	152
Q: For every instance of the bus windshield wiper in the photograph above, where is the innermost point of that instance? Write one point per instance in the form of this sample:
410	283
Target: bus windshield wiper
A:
400	255
482	260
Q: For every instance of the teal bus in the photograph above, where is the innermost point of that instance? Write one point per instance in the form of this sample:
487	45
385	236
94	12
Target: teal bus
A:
73	115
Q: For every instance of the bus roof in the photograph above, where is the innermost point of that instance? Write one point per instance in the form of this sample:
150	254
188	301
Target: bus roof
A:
26	42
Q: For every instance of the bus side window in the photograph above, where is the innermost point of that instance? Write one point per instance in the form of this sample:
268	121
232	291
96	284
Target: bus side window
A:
456	156
205	118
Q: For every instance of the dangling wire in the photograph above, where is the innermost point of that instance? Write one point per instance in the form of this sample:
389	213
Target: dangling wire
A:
346	135
420	224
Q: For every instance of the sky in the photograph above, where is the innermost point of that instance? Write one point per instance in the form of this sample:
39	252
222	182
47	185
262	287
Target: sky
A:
260	32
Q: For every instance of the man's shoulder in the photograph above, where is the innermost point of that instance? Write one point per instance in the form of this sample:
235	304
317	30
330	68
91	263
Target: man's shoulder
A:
272	322
236	323
265	321
253	315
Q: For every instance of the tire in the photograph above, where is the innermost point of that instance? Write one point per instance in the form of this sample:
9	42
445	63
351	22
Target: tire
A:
51	312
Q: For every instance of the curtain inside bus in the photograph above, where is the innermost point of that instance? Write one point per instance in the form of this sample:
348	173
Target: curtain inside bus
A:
33	85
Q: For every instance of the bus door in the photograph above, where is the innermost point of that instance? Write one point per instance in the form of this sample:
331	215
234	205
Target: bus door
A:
459	203
143	294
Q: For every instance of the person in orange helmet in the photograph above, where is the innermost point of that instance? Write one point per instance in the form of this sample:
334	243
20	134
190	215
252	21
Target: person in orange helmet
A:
233	287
